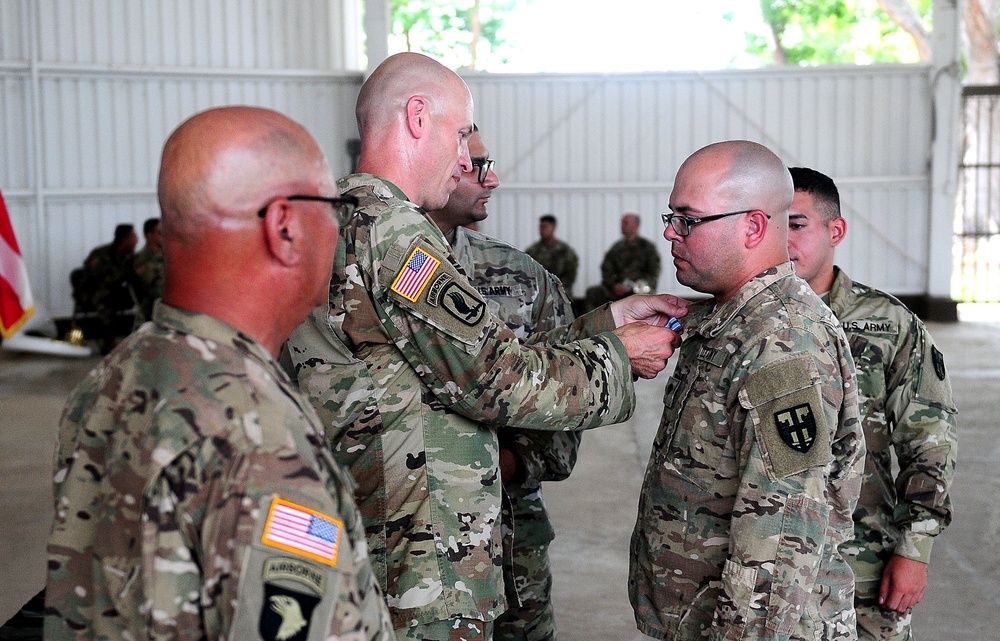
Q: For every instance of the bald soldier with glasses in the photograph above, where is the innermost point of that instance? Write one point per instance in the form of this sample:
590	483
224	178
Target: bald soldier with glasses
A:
757	461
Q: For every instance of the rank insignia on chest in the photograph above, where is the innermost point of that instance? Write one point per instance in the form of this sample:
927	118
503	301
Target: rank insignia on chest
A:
797	427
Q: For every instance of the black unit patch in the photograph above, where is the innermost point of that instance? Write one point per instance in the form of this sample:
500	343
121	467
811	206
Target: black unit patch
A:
797	427
938	359
285	614
462	304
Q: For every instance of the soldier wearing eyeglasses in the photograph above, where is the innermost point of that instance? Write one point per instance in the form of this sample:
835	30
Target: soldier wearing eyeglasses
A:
434	374
530	301
756	466
195	496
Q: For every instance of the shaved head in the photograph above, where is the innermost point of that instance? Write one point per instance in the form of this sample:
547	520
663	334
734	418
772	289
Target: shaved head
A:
224	164
235	247
751	175
415	118
385	93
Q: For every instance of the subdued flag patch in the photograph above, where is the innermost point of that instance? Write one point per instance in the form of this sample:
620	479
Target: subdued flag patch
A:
297	529
417	271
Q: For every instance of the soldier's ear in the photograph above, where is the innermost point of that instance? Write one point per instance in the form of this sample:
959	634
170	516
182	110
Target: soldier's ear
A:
417	114
283	233
838	230
756	228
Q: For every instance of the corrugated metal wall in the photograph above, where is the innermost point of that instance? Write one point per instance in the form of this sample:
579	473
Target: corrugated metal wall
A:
89	89
588	148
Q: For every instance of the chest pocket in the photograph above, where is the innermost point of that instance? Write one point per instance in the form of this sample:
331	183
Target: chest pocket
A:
695	435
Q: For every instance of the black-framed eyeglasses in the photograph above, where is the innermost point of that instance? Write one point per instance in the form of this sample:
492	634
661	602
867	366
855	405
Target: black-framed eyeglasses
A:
682	224
484	165
343	206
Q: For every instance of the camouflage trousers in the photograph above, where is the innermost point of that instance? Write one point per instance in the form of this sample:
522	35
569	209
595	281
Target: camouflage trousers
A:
533	620
449	630
876	624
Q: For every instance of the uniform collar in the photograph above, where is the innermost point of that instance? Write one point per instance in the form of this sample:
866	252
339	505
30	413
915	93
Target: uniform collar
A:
718	318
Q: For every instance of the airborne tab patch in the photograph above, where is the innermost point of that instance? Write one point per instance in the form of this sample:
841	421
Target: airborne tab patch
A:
297	529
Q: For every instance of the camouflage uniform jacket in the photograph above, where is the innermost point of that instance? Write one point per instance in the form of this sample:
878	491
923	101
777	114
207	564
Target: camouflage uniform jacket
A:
636	260
529	300
187	468
149	273
428	372
753	476
906	405
559	259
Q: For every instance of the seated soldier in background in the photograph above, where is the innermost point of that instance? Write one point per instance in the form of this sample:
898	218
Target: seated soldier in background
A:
104	286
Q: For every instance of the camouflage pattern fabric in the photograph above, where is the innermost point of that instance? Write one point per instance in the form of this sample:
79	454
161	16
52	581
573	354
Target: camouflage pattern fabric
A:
906	407
195	498
636	260
106	285
876	624
753	476
529	300
558	259
149	274
439	372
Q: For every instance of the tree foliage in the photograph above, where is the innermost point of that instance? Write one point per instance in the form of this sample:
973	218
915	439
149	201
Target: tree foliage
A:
837	31
458	32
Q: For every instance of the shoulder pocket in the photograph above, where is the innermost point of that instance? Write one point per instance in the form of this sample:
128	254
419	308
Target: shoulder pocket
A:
429	286
786	403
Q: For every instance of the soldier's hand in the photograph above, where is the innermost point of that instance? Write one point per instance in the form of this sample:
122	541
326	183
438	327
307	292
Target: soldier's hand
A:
648	347
510	466
904	582
652	309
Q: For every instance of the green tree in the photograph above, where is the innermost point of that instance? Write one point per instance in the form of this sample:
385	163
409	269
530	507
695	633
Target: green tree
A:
841	31
458	32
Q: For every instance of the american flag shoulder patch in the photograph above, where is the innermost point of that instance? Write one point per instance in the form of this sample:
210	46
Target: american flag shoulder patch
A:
297	529
415	274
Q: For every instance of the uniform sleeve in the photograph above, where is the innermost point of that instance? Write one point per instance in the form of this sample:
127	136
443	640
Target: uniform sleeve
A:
801	456
545	456
275	553
921	411
467	359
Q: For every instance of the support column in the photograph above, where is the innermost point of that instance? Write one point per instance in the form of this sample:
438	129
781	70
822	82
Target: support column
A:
946	87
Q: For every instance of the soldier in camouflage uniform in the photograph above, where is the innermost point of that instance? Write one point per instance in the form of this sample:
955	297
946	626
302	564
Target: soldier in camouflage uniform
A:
434	374
554	255
105	285
906	407
528	300
756	466
148	268
194	493
630	263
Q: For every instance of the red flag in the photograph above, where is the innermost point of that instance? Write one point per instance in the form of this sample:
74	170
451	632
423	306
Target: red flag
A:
16	304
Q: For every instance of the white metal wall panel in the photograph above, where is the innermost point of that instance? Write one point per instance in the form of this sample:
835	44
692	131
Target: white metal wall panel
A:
227	34
589	147
114	77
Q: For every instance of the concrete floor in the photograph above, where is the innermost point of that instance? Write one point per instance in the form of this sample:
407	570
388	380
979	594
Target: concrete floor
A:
593	511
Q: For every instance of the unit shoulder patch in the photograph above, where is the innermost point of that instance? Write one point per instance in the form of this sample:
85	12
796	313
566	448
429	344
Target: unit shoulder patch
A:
791	427
429	285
